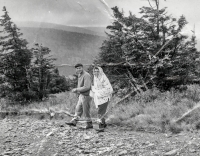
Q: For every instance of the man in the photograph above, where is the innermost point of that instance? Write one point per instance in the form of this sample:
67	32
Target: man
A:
84	100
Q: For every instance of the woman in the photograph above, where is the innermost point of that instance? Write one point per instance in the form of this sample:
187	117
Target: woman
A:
101	92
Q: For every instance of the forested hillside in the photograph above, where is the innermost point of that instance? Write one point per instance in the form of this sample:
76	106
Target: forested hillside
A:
66	47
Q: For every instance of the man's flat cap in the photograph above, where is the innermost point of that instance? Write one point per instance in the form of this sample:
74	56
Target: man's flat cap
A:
78	65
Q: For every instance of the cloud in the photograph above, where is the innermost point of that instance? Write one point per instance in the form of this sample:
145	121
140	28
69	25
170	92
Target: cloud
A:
65	12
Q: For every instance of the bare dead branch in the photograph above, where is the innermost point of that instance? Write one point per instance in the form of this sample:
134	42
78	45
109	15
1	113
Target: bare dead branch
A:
150	4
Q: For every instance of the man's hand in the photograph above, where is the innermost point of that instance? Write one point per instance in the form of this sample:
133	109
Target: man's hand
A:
74	90
93	89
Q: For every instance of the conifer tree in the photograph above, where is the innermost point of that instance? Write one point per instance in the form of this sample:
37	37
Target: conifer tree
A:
42	68
149	50
14	57
58	83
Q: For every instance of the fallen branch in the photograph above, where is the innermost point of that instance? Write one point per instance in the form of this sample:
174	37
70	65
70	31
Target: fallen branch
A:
53	112
102	64
188	113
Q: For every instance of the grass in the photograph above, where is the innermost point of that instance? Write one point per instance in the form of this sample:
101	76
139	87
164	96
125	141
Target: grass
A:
62	101
151	110
156	110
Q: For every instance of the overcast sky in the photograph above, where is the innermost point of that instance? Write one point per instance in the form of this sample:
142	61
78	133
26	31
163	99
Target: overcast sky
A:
94	12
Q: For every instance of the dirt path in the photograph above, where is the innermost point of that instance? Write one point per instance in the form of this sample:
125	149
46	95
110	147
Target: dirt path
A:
27	136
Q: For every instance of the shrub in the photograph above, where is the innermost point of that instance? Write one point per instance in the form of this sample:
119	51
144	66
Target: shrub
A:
155	109
192	93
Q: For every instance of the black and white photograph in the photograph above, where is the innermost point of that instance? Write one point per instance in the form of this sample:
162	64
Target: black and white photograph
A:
99	78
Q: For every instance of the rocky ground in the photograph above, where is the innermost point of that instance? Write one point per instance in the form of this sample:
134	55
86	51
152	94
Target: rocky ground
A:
43	137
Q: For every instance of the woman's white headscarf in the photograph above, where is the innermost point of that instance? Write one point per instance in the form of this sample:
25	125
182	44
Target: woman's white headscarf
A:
102	89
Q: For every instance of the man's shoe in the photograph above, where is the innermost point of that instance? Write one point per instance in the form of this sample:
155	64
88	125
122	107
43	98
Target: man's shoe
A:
89	125
71	123
102	125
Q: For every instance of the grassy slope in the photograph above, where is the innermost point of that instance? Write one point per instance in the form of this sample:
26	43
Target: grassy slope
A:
151	111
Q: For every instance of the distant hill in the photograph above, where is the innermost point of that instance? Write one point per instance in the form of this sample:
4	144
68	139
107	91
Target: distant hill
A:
98	30
85	30
67	47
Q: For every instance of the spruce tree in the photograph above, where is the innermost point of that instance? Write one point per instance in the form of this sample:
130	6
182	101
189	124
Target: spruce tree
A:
149	50
41	71
58	83
14	57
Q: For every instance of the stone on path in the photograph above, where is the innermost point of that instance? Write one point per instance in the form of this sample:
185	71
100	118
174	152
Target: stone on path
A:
171	153
124	152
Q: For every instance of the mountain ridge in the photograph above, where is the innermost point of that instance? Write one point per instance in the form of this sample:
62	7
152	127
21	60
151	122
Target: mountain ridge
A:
100	31
67	47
